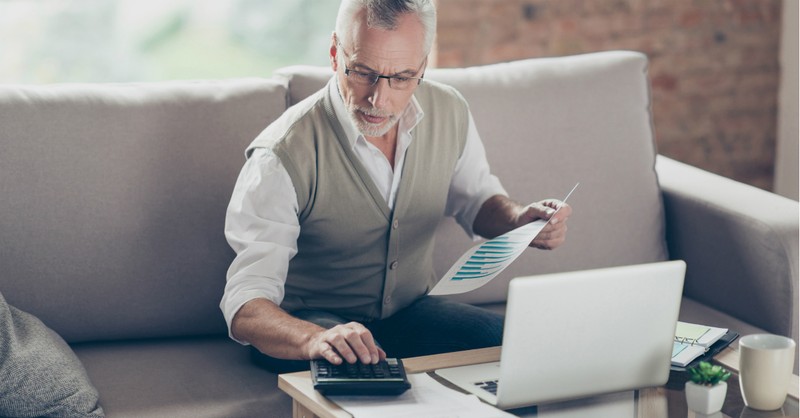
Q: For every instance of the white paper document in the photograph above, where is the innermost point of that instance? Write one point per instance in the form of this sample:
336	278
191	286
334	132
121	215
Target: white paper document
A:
426	398
483	262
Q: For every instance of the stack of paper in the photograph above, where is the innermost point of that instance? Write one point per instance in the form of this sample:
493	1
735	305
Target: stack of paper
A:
426	398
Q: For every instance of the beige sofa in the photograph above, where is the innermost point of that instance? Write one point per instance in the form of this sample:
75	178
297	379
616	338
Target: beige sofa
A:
114	198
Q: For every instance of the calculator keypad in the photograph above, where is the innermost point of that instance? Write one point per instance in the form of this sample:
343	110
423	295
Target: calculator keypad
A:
385	377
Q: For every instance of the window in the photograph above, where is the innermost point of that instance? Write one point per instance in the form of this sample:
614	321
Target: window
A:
45	41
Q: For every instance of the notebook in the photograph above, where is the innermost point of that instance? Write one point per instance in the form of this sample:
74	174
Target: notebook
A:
692	341
578	334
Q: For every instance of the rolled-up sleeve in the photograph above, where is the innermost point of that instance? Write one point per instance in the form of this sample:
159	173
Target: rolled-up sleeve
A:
262	228
472	183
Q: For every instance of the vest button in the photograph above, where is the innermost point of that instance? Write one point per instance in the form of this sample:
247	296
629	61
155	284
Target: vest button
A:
387	300
395	224
393	265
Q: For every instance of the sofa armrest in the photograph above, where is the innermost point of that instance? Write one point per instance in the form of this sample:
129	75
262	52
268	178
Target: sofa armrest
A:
740	244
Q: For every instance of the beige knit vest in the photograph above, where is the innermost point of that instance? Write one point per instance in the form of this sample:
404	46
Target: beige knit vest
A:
356	257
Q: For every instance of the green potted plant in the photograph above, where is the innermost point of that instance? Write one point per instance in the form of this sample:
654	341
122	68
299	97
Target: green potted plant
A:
706	389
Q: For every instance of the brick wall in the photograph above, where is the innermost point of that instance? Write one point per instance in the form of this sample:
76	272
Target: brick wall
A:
713	64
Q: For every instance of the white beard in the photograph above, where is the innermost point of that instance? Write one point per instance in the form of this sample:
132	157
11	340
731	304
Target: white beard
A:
370	129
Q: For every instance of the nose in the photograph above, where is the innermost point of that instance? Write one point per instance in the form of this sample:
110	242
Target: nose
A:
379	96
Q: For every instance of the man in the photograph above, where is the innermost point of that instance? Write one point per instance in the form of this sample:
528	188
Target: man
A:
333	215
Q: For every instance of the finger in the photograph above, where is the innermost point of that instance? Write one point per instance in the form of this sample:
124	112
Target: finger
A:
362	344
550	239
328	353
547	245
340	344
552	203
374	350
536	211
360	341
541	238
557	232
564	211
552	228
561	215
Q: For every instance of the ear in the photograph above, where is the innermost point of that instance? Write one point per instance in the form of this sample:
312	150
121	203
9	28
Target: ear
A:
334	52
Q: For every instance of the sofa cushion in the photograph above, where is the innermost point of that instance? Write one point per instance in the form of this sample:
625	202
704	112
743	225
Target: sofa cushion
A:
303	80
39	373
185	377
113	221
547	124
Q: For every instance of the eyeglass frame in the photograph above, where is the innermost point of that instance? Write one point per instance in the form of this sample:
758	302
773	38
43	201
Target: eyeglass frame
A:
378	76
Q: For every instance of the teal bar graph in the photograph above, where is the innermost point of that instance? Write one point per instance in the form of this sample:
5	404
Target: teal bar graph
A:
485	261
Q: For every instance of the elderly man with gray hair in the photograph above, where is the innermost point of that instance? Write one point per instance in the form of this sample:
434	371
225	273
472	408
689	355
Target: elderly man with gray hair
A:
334	213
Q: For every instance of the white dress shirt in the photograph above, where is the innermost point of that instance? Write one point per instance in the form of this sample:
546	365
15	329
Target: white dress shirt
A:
262	225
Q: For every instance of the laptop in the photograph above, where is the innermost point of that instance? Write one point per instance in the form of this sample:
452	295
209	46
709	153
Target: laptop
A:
578	334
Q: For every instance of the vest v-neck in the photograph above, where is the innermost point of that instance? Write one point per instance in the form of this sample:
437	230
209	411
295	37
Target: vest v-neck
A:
363	174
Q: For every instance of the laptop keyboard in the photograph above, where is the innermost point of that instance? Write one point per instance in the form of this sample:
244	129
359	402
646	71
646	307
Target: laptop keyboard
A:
489	386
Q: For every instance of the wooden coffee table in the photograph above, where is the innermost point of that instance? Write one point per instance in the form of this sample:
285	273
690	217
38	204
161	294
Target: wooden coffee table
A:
660	402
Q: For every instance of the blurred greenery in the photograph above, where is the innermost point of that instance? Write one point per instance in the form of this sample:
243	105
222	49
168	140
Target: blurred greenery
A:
44	41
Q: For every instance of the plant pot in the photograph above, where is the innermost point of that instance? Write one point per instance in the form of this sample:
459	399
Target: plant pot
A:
705	399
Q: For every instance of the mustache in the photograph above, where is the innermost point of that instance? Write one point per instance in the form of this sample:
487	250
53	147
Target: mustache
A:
373	111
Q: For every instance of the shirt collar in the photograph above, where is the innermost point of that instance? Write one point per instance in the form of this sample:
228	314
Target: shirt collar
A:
411	116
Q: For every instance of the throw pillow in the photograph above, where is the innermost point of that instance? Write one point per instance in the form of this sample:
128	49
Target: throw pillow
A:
40	376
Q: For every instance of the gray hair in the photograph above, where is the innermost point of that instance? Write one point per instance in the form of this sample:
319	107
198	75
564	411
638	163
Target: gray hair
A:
383	14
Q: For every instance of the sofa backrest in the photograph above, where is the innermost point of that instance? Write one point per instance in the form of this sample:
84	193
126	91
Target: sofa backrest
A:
114	196
114	201
548	123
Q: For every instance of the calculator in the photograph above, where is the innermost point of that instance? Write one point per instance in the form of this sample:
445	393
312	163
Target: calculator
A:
387	377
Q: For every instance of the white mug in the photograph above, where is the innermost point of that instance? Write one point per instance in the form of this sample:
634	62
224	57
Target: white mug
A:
765	366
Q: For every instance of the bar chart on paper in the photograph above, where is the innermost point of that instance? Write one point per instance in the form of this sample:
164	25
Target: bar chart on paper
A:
483	262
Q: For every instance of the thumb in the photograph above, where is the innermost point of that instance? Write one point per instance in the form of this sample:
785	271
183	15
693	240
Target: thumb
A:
536	211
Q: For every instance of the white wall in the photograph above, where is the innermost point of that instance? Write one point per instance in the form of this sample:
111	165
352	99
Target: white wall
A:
786	171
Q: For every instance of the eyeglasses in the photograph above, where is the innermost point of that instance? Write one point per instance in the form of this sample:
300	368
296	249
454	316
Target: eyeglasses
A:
369	79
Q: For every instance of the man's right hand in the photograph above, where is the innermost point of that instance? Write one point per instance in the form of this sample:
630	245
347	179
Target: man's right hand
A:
349	342
276	333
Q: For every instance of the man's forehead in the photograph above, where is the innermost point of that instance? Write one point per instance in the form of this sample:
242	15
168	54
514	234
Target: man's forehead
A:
402	46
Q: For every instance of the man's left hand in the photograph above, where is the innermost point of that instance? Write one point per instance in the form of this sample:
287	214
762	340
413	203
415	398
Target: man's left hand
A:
555	232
